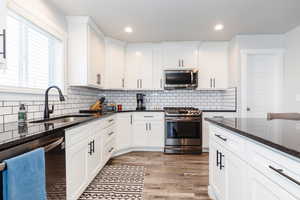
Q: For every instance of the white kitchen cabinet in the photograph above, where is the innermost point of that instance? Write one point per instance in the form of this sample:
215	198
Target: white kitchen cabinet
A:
86	53
180	54
148	130
77	169
115	64
139	68
158	70
260	187
124	131
213	66
3	35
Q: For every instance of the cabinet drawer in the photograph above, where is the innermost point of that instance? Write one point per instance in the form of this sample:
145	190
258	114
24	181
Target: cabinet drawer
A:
109	149
142	116
77	134
108	133
229	140
282	170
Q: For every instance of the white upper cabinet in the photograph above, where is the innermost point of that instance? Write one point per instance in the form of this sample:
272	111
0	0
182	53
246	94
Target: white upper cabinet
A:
139	67
180	54
213	65
158	75
115	64
3	34
86	53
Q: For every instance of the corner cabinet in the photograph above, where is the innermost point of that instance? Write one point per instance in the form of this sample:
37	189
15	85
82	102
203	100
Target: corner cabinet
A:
3	35
86	53
213	66
115	64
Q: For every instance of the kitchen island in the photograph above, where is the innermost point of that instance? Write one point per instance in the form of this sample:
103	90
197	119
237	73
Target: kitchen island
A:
254	159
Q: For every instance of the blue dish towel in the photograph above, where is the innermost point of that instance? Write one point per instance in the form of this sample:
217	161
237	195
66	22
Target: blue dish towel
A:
24	177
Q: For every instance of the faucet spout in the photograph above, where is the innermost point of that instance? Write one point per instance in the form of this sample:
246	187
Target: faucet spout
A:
47	111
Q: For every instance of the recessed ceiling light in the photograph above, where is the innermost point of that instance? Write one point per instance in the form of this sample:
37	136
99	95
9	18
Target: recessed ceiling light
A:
219	27
128	29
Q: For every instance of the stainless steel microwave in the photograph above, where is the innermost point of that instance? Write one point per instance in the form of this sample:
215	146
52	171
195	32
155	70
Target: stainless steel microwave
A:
180	79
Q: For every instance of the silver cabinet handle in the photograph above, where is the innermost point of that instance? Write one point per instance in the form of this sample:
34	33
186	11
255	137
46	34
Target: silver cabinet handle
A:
222	138
110	120
98	79
4	43
111	133
182	63
141	83
281	172
137	83
130	119
111	150
214	83
123	83
210	82
146	126
179	63
148	116
150	126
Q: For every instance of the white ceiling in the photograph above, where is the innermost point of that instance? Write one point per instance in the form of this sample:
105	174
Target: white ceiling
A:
171	20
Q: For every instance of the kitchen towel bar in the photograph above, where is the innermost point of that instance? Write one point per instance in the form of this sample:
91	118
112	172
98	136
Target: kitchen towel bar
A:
47	148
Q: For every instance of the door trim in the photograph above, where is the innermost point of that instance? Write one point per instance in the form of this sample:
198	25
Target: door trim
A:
244	60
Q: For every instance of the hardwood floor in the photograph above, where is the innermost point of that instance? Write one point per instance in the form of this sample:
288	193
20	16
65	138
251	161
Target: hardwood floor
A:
171	177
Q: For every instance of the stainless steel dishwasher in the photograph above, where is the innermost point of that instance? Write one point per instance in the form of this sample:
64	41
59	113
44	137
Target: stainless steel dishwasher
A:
54	161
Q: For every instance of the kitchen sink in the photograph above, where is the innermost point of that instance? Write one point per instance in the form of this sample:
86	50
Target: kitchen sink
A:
62	119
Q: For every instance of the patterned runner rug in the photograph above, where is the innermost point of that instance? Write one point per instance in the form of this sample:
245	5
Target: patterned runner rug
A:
117	182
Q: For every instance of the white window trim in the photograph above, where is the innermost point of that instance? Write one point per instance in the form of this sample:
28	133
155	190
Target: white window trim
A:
46	26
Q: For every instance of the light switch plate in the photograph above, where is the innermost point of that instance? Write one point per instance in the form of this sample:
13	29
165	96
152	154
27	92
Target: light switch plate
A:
297	97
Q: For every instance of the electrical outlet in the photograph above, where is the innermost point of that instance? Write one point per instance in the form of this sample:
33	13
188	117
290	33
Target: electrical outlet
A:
297	97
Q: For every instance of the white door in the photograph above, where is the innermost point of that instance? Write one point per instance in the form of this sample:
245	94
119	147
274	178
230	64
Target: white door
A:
261	85
140	133
124	131
3	11
76	169
260	187
96	61
115	64
155	134
236	177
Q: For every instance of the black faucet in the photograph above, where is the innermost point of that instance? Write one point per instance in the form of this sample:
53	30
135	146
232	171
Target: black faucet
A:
47	112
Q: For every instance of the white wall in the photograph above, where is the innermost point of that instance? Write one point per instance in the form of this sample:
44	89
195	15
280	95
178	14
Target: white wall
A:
292	71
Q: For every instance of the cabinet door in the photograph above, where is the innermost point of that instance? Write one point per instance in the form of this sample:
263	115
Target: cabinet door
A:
171	58
155	134
124	131
96	52
145	66
189	54
115	64
132	77
140	134
3	12
158	79
236	177
94	155
216	174
213	65
260	187
76	169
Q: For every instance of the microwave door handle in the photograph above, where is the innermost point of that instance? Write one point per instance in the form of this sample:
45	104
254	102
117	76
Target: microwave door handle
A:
192	77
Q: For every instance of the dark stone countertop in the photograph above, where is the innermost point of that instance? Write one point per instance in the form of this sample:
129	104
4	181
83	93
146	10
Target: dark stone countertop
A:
282	135
11	134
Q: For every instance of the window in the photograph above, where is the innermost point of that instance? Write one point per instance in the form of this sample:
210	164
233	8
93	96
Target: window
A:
34	57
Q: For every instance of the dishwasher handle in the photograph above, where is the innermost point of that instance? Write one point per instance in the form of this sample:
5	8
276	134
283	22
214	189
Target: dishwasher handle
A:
51	146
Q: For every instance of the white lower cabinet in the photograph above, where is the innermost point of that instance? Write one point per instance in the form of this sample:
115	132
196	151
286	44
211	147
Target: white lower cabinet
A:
124	131
239	169
76	169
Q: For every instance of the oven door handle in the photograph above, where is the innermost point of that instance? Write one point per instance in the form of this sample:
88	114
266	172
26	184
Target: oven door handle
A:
183	120
51	146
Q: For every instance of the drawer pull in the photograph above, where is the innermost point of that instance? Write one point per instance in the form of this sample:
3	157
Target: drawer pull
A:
280	171
219	136
111	120
148	116
111	133
111	150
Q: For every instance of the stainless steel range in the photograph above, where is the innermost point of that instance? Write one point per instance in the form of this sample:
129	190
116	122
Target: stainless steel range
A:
183	130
